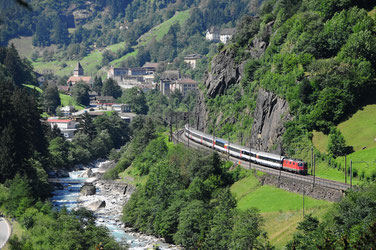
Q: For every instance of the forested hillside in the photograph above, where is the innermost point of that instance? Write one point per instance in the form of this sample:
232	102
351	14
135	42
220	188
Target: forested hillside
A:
70	30
320	56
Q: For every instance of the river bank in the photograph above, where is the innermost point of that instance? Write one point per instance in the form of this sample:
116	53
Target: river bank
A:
107	204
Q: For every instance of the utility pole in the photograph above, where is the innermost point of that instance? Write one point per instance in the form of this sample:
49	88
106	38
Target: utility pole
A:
314	169
311	160
228	146
351	173
250	152
345	171
176	125
303	202
170	126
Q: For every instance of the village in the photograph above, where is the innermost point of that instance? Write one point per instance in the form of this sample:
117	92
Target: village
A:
144	78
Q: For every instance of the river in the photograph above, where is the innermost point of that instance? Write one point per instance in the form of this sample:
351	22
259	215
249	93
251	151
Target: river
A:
109	216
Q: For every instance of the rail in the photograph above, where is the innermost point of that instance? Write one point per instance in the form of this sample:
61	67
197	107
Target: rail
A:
179	136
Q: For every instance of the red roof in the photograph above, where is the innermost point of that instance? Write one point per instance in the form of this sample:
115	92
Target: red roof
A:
79	78
58	120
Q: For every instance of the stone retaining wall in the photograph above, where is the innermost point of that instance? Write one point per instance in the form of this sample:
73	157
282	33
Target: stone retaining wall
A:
115	187
317	192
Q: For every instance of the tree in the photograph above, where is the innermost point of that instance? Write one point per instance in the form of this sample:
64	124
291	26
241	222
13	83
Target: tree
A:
97	85
51	98
136	99
80	93
111	88
336	144
247	230
193	220
87	126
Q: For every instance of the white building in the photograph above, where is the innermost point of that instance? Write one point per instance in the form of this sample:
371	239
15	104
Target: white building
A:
192	60
184	85
121	108
226	35
67	126
212	34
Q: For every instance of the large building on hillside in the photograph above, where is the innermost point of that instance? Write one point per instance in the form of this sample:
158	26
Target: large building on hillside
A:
171	81
67	126
215	35
184	85
192	60
130	77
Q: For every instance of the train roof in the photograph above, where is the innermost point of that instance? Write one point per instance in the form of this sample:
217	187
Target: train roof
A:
233	145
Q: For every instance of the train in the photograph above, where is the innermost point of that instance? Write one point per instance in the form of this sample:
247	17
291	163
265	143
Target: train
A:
262	158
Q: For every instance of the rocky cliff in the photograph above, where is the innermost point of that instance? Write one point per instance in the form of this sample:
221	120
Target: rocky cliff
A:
270	113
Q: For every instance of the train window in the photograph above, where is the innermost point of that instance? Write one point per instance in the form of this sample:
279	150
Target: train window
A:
207	139
219	143
234	149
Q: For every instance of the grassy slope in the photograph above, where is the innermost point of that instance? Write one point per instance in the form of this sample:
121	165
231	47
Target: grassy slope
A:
159	31
24	45
281	210
64	99
92	62
359	131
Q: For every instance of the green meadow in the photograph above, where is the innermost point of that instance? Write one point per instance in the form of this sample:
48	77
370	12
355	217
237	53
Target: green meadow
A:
281	209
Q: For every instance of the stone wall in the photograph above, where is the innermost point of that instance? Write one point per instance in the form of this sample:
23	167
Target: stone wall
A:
115	187
317	192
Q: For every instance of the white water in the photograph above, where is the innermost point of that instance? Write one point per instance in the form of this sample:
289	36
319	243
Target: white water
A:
110	216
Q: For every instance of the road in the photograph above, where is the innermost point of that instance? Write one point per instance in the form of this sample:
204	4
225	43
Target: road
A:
308	178
4	232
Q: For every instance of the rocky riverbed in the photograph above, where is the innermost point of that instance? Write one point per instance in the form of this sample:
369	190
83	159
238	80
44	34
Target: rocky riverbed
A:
107	202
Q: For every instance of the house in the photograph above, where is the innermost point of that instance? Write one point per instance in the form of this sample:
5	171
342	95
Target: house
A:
78	76
64	89
105	102
184	85
67	110
121	108
151	67
226	35
213	34
167	78
66	126
192	60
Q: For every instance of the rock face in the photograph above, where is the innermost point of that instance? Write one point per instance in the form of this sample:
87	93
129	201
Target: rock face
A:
271	111
88	189
269	116
224	73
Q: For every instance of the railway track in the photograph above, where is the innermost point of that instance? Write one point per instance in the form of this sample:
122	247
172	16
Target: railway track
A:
180	137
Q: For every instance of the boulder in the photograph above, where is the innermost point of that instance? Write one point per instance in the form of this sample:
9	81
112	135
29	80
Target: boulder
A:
88	189
86	174
94	206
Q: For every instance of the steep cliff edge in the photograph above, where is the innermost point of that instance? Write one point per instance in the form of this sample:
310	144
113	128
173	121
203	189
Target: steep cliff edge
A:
270	115
266	117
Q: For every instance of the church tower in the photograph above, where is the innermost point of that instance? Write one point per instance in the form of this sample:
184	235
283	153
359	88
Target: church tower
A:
78	71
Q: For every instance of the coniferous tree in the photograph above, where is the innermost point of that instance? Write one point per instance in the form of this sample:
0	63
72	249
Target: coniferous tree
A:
97	85
51	98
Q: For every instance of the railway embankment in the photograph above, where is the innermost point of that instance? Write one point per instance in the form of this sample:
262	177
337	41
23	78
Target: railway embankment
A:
295	186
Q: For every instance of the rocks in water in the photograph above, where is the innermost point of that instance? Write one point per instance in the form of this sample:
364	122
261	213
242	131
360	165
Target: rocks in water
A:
88	189
96	205
86	174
